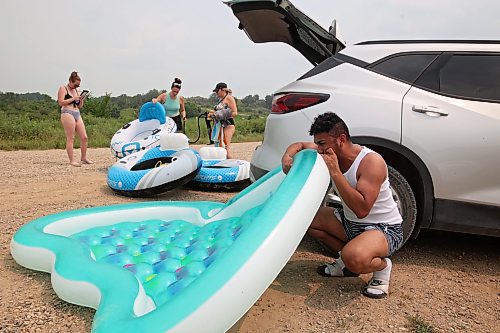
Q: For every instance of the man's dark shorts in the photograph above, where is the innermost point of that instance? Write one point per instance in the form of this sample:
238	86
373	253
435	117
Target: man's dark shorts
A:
392	232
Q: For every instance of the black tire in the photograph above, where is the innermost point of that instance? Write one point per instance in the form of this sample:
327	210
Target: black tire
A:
405	199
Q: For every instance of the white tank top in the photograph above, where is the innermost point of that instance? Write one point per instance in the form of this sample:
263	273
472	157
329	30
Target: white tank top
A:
384	209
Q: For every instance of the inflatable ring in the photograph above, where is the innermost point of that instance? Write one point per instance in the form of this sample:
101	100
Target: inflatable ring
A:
156	170
218	173
144	132
167	266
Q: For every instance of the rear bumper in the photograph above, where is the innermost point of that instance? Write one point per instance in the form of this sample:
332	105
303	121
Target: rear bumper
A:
264	159
281	131
256	172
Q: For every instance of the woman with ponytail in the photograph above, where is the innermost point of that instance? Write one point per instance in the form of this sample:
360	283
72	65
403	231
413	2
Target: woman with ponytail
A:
174	104
71	101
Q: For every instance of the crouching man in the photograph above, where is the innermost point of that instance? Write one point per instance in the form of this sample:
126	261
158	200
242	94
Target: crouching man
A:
367	230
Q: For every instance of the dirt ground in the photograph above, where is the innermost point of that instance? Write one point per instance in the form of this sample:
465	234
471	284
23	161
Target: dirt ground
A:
443	281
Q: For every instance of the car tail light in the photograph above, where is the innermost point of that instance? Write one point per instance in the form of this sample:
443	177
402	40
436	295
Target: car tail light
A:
296	101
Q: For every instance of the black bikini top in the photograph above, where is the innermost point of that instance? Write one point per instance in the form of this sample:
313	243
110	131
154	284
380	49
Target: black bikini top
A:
68	96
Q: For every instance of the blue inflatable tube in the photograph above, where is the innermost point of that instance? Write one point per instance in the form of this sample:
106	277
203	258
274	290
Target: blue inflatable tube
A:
176	266
150	172
222	175
144	132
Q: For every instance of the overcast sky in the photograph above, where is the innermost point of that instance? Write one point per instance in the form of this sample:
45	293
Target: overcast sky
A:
133	46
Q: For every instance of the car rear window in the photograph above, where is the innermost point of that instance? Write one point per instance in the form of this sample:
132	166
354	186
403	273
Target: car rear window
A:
332	62
322	67
404	67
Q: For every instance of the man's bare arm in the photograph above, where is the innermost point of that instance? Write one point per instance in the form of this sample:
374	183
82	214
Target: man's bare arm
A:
294	148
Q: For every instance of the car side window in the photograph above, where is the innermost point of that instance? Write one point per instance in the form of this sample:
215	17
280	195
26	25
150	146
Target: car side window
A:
472	76
469	76
404	67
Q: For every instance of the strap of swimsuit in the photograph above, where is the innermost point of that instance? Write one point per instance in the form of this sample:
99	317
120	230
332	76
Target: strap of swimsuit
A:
222	99
67	92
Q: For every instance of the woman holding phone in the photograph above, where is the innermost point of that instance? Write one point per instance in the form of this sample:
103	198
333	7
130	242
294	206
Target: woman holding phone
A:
71	101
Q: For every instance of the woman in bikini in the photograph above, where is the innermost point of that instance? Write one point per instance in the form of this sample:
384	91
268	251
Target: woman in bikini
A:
71	101
225	111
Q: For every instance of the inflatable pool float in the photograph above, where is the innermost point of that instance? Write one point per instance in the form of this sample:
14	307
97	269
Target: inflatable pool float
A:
144	132
176	266
156	170
218	173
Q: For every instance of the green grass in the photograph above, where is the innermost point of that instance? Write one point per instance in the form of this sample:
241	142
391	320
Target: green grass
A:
38	133
418	325
21	132
248	129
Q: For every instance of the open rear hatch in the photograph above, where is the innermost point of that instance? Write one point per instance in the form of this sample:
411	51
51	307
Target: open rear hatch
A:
279	21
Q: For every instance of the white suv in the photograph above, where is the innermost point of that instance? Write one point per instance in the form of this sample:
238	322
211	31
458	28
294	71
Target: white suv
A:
430	108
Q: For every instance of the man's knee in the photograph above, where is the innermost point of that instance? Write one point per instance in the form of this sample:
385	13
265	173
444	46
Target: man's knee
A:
355	258
316	233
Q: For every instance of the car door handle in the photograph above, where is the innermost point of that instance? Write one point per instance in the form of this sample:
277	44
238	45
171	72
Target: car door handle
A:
430	111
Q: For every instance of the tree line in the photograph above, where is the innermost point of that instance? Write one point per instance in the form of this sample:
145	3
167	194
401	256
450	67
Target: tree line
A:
32	120
36	105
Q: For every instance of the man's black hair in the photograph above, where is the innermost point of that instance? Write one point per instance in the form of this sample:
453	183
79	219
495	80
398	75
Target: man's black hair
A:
329	122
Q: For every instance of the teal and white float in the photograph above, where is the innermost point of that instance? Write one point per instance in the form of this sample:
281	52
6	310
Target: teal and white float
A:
156	170
219	173
144	132
176	266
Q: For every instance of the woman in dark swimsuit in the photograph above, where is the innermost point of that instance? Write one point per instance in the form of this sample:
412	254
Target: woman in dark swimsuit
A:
70	101
226	102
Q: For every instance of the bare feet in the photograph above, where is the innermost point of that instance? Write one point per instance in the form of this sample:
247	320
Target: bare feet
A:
87	161
75	164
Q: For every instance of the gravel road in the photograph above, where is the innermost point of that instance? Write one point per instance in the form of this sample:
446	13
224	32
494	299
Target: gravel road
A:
447	281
